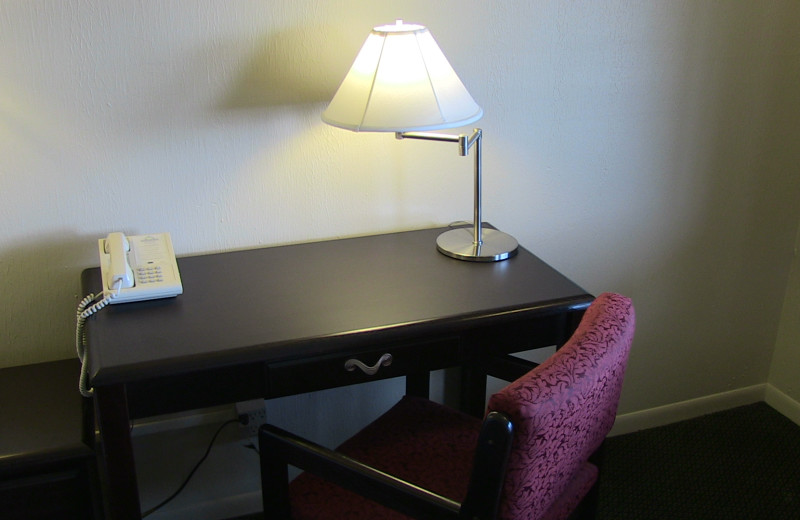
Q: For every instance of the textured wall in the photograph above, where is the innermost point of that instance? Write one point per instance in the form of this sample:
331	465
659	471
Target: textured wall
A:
648	148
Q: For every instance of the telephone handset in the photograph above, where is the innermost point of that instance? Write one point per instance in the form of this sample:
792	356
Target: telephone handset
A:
135	268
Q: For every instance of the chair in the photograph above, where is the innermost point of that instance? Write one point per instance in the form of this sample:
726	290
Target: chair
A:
530	458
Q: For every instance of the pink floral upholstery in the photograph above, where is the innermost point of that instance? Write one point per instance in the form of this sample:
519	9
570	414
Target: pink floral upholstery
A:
562	410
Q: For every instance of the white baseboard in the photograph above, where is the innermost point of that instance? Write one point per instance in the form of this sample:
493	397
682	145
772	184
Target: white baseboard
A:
227	507
182	420
667	414
782	403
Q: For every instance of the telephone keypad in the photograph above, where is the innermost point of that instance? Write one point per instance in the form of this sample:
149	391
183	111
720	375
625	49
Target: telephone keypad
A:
149	274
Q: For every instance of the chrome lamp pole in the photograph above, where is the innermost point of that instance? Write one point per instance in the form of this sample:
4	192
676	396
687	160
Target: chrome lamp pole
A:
481	245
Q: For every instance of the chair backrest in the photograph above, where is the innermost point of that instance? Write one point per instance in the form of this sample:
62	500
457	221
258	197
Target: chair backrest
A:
563	409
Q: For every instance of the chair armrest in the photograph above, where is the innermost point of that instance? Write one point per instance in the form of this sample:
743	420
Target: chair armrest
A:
506	366
489	468
279	448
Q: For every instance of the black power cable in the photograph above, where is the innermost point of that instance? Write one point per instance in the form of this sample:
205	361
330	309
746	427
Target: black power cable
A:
191	473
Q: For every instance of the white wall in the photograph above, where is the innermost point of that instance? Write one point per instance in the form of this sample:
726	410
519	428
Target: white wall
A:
648	148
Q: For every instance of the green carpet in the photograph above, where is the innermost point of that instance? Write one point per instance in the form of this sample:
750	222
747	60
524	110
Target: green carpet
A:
742	463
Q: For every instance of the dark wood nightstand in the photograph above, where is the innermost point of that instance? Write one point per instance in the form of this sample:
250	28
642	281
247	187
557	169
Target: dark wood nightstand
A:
47	465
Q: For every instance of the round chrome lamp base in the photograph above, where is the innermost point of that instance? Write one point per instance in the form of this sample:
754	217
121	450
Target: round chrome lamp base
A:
459	243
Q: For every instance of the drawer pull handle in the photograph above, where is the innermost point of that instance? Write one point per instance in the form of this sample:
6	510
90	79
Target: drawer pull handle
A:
385	361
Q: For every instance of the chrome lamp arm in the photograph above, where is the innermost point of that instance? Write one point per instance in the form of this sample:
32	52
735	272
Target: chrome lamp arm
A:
488	245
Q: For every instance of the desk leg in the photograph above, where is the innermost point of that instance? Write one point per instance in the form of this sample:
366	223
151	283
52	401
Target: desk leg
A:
419	385
116	454
473	390
571	320
574	320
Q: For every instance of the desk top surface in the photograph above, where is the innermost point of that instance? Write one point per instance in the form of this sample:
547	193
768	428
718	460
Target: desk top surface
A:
293	301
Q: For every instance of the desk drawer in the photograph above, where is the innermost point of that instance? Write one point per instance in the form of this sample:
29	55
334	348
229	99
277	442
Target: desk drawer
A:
291	377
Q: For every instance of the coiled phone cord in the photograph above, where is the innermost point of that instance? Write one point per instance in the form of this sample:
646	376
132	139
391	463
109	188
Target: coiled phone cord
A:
85	309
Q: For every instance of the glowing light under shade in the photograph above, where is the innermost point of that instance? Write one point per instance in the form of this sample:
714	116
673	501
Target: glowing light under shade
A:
401	81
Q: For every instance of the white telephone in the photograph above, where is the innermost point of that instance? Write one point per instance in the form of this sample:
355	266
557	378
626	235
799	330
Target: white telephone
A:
132	269
136	268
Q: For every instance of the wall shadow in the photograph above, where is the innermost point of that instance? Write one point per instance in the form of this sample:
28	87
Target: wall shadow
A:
291	67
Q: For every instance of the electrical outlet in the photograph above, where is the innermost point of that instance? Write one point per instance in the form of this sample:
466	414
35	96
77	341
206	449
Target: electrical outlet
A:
252	414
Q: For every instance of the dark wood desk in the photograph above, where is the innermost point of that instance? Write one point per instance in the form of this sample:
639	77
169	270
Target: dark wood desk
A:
282	320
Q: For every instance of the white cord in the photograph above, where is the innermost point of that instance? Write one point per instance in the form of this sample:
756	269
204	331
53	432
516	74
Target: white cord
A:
86	309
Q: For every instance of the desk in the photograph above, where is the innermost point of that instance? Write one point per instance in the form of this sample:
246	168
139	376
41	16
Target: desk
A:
283	320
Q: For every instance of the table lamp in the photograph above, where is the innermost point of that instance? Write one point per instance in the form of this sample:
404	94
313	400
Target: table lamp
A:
401	82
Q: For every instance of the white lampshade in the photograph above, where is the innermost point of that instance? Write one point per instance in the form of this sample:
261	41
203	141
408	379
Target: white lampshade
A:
401	82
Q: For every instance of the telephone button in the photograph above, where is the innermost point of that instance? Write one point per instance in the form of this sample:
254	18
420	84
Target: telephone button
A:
150	274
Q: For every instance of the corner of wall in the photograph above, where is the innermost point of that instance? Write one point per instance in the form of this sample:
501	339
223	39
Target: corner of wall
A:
784	375
783	403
